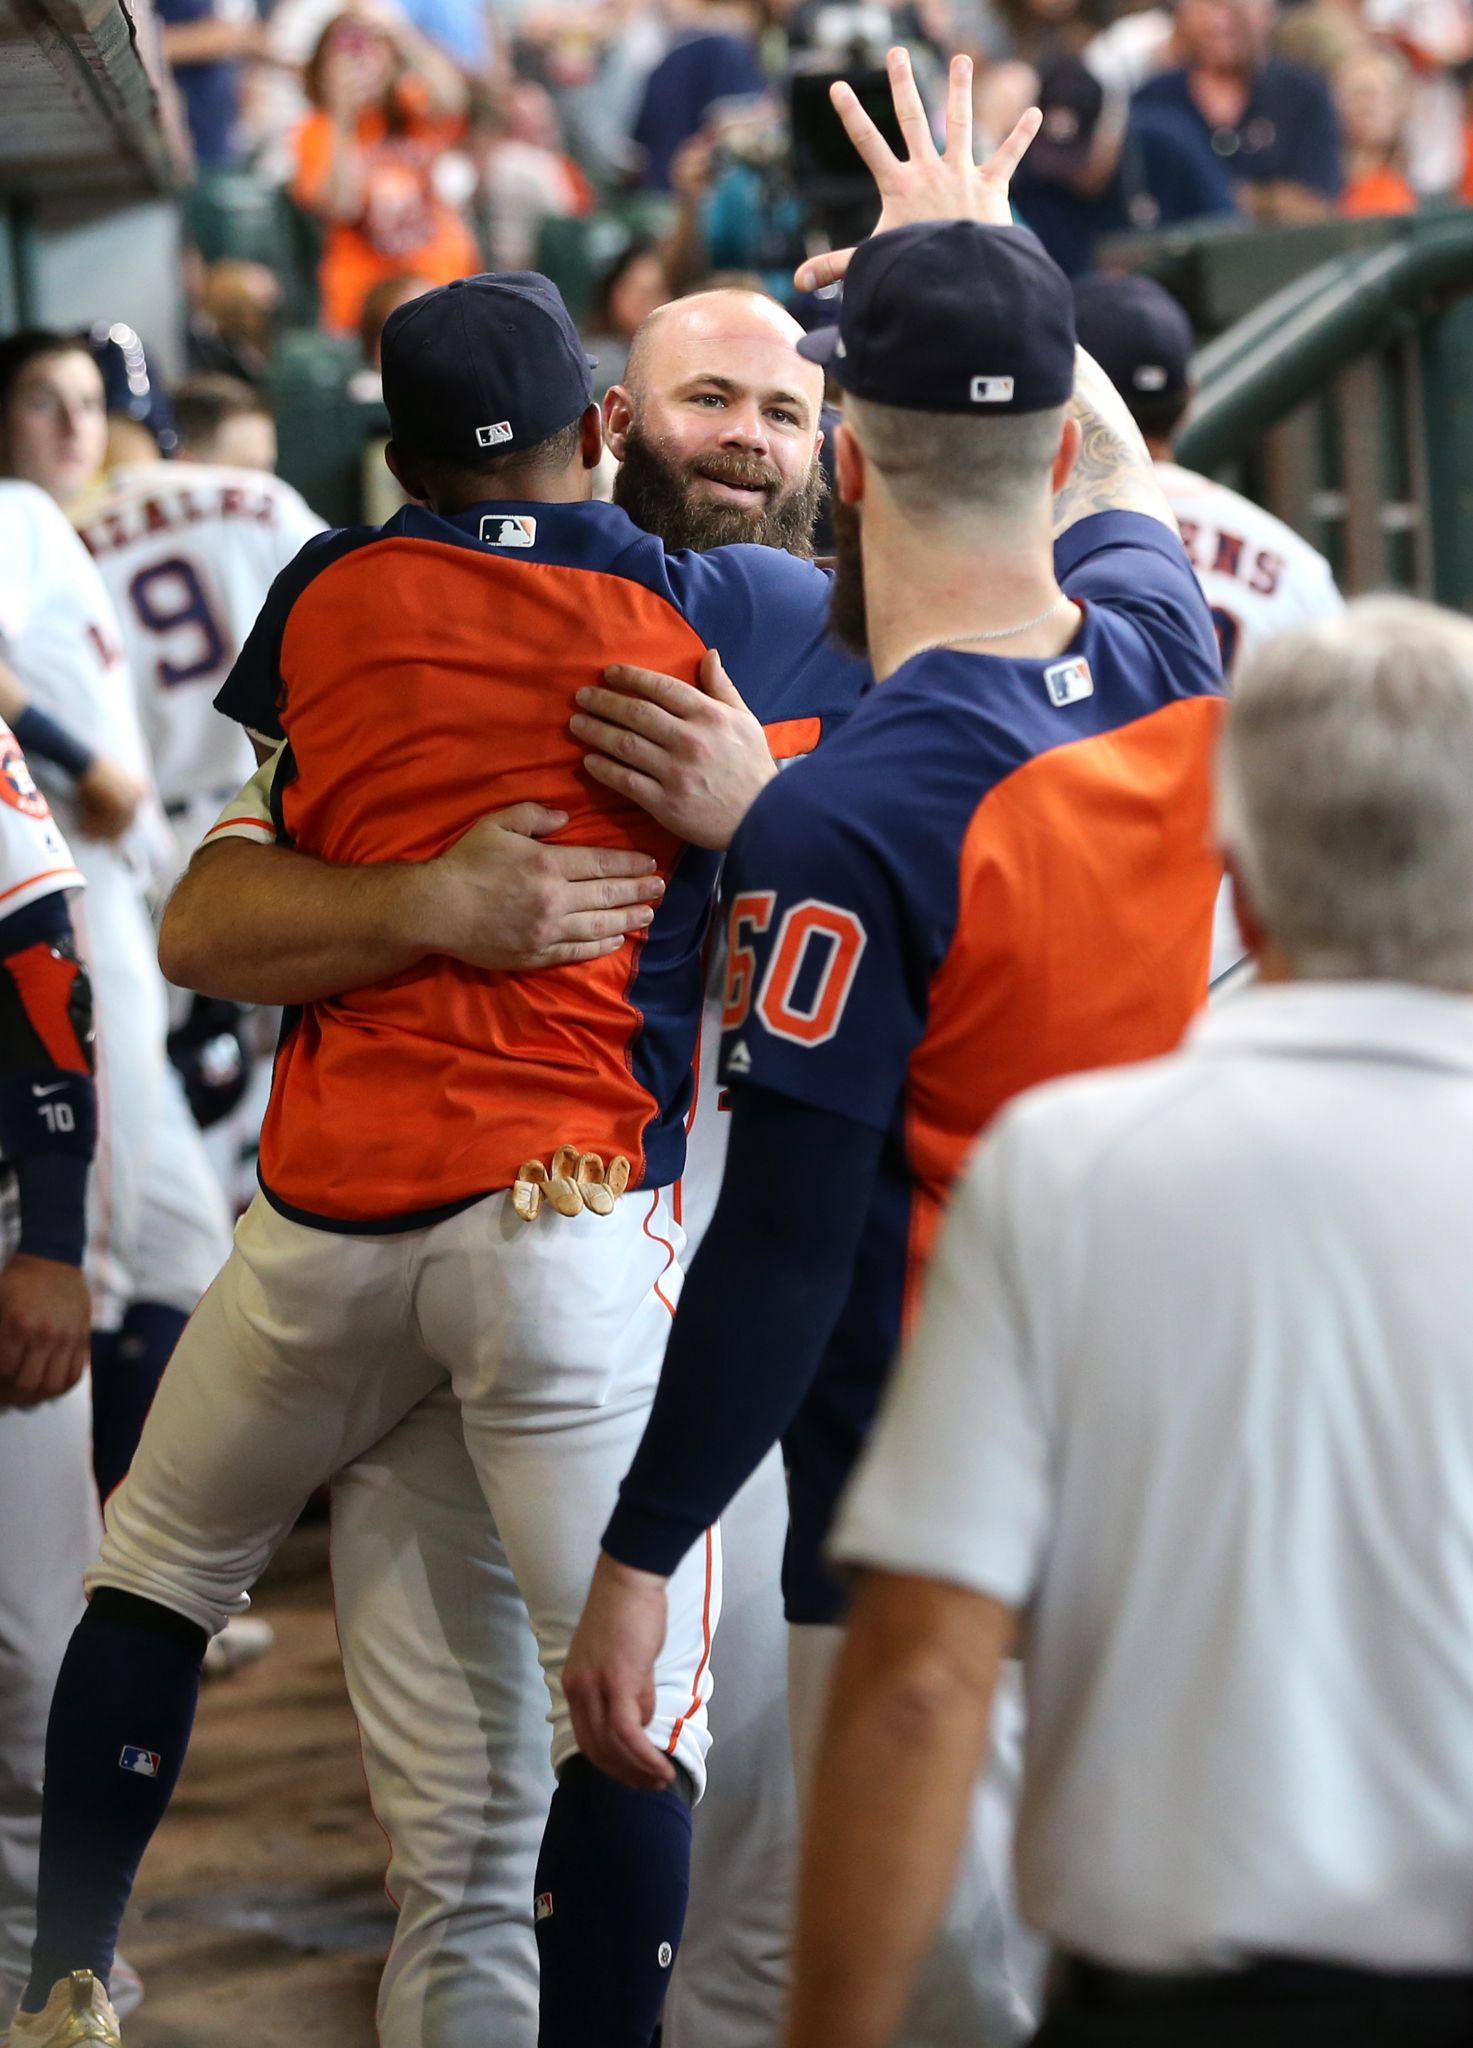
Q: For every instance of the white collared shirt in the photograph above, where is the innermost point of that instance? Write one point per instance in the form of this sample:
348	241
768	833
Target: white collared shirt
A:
1194	1383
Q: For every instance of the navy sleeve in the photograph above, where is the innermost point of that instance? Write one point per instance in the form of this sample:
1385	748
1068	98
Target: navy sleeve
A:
758	1309
826	979
1135	569
252	693
767	614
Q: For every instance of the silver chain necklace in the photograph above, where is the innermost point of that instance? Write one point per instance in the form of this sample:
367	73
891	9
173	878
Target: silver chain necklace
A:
968	639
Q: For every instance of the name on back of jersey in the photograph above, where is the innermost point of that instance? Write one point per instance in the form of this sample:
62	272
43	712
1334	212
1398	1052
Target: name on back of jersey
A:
1214	551
175	511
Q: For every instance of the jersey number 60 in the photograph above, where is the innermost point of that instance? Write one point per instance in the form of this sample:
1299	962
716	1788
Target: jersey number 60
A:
840	935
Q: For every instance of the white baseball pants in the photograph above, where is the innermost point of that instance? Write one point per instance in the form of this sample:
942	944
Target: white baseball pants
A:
435	1647
49	1526
981	1986
312	1345
157	1224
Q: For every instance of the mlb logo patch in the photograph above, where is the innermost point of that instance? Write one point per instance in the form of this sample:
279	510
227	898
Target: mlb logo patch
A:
503	530
1068	681
143	1763
542	1906
992	391
492	437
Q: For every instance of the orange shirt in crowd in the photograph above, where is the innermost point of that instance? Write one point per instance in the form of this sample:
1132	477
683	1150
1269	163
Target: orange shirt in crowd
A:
1376	192
404	225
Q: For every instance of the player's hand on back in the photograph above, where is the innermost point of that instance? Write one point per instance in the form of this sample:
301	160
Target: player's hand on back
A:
926	184
609	1676
45	1330
694	758
109	798
501	899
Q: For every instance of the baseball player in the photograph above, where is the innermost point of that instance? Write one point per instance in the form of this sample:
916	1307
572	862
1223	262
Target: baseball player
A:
998	869
716	386
157	1222
48	1505
1257	574
187	551
446	1156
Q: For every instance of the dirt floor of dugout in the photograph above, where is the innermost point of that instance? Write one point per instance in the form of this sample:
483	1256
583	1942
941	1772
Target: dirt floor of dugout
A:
260	1919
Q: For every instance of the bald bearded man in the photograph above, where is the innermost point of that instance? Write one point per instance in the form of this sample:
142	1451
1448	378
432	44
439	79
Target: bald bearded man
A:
716	426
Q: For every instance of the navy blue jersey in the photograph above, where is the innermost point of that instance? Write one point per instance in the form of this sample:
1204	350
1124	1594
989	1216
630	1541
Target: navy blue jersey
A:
996	872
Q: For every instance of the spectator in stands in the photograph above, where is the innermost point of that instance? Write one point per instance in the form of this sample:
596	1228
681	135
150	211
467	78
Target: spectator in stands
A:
712	57
526	173
738	208
233	305
387	106
1373	94
206	43
1436	38
225	421
1272	123
1101	169
387	297
1188	1410
635	285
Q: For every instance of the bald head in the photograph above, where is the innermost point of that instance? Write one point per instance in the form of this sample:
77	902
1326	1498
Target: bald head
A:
717	423
717	326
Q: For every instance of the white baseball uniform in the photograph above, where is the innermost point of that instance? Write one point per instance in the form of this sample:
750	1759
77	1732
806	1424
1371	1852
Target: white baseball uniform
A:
188	551
1260	577
48	1505
155	1214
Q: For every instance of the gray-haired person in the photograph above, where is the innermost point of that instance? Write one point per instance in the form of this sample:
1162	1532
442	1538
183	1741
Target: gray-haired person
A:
1190	1405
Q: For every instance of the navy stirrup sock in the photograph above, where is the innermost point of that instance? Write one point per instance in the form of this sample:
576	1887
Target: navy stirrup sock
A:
612	1881
126	1370
120	1722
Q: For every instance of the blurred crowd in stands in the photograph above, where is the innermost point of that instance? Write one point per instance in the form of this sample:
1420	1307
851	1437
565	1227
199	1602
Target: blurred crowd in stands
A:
670	140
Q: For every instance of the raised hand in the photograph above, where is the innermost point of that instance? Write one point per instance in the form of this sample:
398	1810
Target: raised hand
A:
927	184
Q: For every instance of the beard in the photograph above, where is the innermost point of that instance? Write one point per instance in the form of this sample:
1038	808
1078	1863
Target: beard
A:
846	606
660	495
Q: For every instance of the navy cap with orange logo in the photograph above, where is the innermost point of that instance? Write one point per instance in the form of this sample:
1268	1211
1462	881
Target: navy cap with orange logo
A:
951	316
483	365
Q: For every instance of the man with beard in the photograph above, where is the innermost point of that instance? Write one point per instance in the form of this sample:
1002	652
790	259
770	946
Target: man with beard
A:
998	871
717	423
714	426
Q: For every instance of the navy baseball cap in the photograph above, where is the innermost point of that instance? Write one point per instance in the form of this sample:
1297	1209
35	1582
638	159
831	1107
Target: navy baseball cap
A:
950	316
1137	333
483	365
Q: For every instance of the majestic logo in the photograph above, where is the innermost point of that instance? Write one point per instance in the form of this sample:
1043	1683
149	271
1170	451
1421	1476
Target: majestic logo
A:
1068	681
16	787
992	391
542	1906
493	437
508	530
739	1060
143	1763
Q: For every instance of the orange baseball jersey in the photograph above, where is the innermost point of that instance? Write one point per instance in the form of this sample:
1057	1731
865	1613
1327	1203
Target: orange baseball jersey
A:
423	675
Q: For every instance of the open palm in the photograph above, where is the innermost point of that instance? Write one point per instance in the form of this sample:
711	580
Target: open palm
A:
927	184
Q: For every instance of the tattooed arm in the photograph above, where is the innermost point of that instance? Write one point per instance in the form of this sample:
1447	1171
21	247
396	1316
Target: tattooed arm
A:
1113	472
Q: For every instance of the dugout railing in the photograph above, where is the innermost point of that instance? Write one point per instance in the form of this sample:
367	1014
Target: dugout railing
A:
1342	395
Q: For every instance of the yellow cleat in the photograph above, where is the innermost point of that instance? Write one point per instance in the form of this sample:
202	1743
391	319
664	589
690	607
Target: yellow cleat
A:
77	2012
